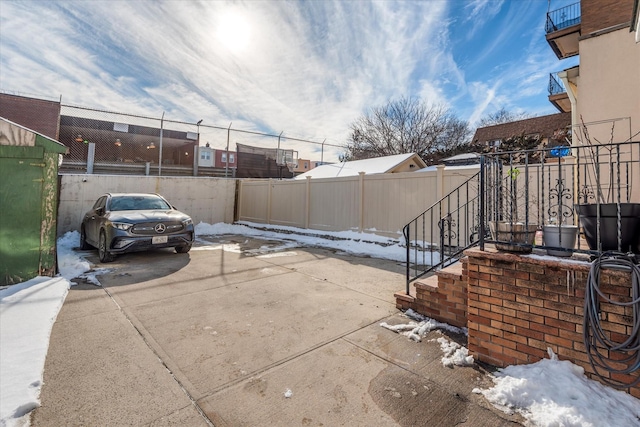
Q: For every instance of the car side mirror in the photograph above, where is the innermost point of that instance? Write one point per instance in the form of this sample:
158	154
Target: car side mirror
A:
100	211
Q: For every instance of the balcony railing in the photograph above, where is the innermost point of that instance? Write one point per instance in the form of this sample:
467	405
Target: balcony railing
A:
555	85
563	18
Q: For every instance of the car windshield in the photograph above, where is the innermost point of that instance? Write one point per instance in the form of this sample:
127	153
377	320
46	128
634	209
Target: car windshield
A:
133	203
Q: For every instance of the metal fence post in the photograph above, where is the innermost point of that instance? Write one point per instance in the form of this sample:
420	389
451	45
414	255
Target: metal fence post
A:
482	196
91	157
361	213
307	202
160	151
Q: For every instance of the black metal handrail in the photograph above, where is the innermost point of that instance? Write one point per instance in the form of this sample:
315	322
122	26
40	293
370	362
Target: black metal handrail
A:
438	236
555	85
563	18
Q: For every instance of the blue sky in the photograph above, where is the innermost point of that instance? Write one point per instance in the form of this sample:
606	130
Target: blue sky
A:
305	68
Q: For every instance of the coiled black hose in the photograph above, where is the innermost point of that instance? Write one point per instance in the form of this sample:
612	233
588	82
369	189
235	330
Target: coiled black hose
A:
604	352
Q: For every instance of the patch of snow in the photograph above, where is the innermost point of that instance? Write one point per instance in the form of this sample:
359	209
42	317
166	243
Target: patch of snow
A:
555	392
69	263
415	331
351	242
454	354
27	313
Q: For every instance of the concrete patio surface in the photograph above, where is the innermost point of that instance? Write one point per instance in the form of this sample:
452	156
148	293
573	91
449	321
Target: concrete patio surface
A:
219	335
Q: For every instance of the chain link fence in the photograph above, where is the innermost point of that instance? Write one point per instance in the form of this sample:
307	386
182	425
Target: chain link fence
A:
118	143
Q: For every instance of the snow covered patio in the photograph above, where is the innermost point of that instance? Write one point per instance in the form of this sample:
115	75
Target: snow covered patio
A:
249	332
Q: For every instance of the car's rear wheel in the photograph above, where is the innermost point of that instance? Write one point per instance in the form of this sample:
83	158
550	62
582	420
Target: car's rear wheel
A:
103	249
183	249
83	240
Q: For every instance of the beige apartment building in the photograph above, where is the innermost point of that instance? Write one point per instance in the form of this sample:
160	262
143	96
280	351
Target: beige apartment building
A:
602	93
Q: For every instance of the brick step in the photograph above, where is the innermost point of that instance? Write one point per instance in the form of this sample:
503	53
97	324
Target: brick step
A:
451	272
442	296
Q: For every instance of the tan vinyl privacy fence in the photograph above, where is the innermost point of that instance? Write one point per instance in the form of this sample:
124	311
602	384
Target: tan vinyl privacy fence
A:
380	204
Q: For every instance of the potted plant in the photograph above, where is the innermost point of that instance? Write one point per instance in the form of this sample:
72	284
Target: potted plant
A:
605	204
557	233
508	227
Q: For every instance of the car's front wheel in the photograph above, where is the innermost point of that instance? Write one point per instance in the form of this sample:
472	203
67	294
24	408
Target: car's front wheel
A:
183	249
103	249
83	240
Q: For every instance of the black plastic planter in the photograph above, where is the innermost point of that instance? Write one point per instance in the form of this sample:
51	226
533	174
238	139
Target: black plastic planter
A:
629	223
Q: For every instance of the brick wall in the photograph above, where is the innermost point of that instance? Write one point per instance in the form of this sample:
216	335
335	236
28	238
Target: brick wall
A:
597	15
442	297
36	114
519	306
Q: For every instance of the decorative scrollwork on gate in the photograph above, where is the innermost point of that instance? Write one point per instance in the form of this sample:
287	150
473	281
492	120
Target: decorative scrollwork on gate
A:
447	225
585	194
560	211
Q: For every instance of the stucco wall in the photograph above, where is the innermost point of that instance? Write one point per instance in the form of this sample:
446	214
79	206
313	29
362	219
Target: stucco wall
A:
609	91
609	85
209	200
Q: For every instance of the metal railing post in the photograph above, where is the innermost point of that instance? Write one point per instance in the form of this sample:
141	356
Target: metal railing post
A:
481	192
160	150
407	236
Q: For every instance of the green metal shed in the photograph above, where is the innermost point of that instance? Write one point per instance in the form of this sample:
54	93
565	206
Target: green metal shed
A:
28	203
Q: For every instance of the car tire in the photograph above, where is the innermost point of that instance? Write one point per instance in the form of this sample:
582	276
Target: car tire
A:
183	249
83	240
103	251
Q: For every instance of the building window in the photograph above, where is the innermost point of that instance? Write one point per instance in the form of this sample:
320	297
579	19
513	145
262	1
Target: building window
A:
231	159
306	165
223	158
121	127
205	155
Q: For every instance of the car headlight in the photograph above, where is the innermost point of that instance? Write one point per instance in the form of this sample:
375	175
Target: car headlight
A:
187	222
122	225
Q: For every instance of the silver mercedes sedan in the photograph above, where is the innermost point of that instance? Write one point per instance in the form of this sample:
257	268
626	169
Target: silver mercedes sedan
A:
130	222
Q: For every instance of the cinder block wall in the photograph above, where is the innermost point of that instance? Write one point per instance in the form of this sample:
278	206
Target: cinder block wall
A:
520	306
209	200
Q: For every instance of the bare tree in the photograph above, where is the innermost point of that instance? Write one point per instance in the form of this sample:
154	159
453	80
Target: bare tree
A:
501	116
406	125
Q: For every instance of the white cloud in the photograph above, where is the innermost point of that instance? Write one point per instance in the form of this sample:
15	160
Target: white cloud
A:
307	69
479	12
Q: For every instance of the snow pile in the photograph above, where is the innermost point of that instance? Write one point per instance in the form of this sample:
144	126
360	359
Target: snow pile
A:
552	392
421	326
27	314
72	265
69	264
454	354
